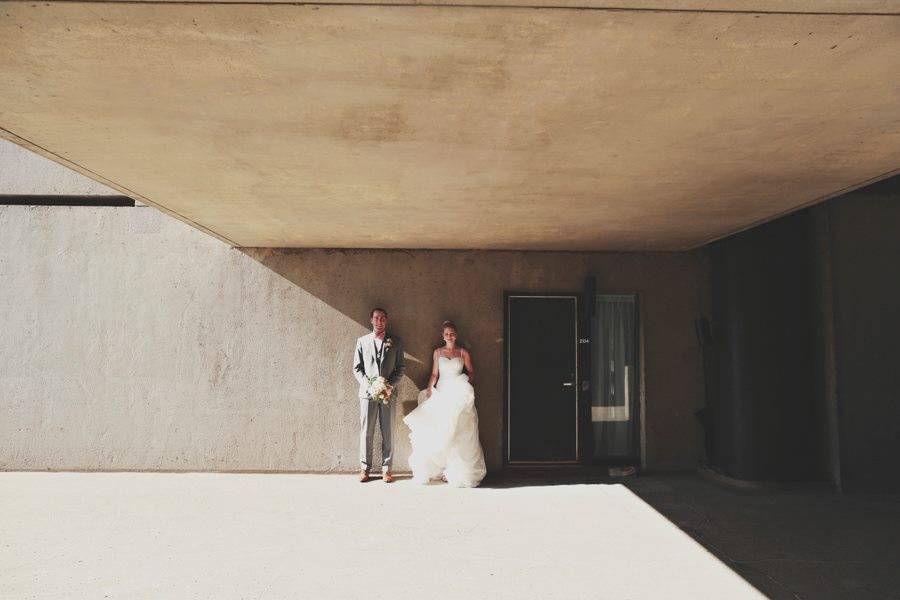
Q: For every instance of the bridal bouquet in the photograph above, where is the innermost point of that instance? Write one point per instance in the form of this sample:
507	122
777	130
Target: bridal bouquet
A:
378	389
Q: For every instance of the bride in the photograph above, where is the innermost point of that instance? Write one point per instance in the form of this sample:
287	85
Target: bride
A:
444	428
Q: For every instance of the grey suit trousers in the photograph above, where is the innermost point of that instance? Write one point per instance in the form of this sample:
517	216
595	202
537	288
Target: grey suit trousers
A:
368	412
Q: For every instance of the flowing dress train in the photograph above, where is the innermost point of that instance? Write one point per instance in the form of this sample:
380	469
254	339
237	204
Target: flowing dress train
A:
444	431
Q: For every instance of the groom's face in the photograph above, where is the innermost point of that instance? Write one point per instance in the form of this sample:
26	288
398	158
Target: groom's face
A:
379	321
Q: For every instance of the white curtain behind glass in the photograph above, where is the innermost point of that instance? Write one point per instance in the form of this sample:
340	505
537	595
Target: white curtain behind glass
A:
614	397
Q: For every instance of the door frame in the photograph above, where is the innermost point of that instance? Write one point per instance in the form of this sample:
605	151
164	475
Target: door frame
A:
580	376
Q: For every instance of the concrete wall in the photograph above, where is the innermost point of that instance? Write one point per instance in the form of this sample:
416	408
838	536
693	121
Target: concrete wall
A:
807	319
132	341
865	234
775	403
26	173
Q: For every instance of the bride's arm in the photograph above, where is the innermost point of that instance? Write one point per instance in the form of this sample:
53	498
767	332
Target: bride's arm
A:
470	369
434	373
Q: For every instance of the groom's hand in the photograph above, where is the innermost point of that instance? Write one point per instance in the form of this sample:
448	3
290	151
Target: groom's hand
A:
390	390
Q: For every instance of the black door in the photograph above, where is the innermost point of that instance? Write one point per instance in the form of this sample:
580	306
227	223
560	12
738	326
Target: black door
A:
541	390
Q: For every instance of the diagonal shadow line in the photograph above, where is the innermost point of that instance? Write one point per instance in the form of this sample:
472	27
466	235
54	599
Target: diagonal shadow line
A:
354	284
354	281
10	136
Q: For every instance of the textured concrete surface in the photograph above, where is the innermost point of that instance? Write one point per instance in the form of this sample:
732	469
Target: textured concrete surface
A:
131	341
888	7
27	173
465	127
148	536
425	288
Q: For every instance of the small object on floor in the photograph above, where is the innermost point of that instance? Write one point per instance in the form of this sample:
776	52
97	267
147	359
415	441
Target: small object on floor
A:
388	477
622	471
363	476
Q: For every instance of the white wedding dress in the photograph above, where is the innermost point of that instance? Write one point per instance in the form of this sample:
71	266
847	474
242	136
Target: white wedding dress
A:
444	431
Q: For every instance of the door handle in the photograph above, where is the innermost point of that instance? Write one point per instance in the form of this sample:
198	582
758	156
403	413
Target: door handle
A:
568	383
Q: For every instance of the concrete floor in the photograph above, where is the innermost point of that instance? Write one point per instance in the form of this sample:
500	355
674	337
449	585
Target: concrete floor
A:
158	535
789	544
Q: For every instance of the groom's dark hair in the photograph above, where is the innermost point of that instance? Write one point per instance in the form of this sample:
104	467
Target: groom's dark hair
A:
377	309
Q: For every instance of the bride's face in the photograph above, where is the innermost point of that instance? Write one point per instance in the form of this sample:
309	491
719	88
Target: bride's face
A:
450	336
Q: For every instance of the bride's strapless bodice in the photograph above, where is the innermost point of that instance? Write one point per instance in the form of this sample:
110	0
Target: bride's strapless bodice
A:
449	368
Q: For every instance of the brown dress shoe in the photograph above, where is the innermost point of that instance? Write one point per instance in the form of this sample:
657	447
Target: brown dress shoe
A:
363	476
388	477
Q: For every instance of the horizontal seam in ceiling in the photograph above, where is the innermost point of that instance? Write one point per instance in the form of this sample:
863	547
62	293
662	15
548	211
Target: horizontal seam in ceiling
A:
480	6
13	137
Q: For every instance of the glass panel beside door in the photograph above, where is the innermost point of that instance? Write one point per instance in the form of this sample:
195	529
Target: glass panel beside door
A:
615	402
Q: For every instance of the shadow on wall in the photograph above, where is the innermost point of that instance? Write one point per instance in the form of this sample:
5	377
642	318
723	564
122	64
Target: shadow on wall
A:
419	290
422	288
354	281
148	345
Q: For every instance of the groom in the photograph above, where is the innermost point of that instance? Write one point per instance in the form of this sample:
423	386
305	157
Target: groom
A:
377	354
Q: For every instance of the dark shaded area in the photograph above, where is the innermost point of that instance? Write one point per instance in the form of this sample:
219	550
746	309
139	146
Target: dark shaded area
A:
422	288
788	543
865	252
765	292
802	356
38	200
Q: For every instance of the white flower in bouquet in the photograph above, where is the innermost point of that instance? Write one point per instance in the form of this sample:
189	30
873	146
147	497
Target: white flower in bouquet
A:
378	389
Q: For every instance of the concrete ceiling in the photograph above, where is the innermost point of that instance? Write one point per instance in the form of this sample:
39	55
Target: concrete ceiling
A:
645	125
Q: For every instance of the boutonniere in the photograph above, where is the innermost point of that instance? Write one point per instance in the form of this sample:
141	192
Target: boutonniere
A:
388	343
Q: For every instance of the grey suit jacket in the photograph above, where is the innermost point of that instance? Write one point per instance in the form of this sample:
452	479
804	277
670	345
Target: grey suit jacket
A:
365	363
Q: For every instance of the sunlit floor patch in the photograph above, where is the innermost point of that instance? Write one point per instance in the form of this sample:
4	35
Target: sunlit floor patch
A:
158	535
